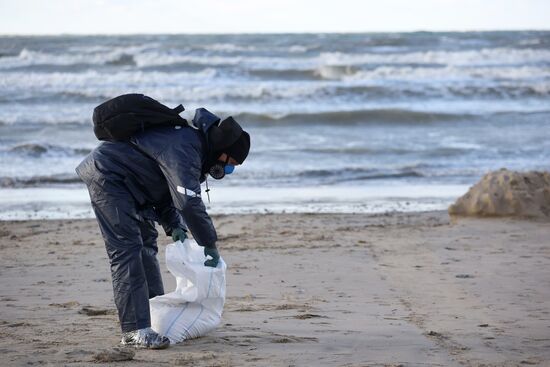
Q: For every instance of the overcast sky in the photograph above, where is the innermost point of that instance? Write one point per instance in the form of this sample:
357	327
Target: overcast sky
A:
260	16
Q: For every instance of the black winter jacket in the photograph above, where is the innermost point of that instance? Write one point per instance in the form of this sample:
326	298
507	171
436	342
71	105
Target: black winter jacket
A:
162	168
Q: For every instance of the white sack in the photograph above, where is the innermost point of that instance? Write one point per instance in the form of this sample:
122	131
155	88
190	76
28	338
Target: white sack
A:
195	307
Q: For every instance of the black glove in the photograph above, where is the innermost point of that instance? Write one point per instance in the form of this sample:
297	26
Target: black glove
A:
213	252
179	234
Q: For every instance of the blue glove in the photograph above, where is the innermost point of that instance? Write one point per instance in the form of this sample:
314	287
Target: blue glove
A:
213	252
179	234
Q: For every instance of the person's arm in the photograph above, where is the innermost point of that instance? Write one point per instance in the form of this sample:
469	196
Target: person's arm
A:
181	165
168	216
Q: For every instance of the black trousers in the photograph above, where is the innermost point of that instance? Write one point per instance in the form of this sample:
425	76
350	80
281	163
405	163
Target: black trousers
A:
131	244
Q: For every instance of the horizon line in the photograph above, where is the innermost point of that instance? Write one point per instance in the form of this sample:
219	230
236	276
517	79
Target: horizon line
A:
272	33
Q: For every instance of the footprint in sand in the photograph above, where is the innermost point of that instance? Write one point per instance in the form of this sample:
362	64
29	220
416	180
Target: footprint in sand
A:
114	355
308	316
293	339
96	311
195	358
69	304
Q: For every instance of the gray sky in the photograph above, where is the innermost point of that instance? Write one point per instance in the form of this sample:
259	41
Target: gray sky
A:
260	16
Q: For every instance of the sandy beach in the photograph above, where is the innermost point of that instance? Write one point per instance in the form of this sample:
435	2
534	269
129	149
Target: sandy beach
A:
414	289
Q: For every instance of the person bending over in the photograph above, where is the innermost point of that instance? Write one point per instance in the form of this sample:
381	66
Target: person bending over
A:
155	176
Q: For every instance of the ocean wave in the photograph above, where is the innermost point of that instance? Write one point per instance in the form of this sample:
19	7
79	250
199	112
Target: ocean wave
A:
335	71
55	98
179	67
326	176
284	74
246	48
35	181
206	84
78	115
122	59
287	56
359	173
38	150
424	76
32	58
7	54
335	175
226	47
28	57
64	90
342	173
354	116
94	80
484	56
434	151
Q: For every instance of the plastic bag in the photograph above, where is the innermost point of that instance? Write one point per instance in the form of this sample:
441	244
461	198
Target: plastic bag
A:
195	307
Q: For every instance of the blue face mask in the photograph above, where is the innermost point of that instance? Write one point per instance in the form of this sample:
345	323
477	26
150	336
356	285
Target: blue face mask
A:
228	169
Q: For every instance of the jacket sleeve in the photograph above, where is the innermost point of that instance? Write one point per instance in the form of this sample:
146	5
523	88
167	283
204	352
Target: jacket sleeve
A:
181	165
168	216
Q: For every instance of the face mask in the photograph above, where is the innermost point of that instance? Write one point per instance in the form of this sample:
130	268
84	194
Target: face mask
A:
220	169
228	169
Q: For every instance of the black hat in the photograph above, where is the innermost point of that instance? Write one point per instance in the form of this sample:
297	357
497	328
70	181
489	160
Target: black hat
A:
239	150
229	137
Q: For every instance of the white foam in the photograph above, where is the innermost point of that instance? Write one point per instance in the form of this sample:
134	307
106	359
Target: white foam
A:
226	47
151	54
30	57
61	203
484	56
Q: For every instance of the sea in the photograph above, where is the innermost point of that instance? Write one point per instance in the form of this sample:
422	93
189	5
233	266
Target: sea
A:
339	123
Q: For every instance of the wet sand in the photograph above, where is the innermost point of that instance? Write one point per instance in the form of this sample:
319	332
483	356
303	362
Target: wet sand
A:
302	290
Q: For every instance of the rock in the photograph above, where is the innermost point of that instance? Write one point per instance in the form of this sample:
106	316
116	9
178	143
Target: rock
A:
507	193
114	355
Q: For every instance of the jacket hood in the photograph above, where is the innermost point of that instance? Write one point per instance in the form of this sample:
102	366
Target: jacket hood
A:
204	120
221	137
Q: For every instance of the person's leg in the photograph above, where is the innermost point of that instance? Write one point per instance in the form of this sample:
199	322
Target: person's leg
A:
120	226
149	252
